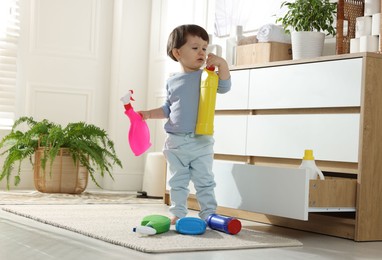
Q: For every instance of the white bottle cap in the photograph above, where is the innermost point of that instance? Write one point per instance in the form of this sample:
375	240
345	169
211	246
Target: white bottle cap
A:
145	230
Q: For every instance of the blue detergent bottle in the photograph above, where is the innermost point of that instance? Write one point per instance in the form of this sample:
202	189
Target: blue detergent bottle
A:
190	226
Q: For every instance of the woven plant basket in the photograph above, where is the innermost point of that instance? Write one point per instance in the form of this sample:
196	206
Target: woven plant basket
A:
347	10
63	176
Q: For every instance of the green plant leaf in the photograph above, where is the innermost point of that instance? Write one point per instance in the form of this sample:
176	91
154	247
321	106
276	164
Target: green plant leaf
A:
309	15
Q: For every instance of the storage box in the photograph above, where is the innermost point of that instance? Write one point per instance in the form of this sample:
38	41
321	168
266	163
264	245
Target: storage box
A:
263	52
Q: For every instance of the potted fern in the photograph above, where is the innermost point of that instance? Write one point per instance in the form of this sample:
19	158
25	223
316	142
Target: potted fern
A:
308	21
64	157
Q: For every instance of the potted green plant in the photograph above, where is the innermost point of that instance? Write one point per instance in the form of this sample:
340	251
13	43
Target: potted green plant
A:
81	147
308	21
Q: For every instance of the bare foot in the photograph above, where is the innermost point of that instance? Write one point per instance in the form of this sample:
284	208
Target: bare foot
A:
173	220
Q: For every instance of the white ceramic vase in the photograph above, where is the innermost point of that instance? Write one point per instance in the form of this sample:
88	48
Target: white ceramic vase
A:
307	44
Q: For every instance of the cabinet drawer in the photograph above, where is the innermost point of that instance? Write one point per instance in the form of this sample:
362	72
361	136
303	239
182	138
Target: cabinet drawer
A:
332	137
311	85
278	191
230	133
331	193
237	97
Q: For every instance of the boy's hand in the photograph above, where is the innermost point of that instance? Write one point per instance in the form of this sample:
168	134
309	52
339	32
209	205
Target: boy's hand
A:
145	114
220	63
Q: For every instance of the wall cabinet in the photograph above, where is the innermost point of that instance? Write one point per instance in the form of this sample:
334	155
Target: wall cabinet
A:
276	110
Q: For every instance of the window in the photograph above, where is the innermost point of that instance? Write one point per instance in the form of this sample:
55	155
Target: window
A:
251	14
9	34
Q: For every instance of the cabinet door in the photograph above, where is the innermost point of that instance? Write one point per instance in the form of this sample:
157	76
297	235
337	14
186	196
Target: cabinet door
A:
310	85
237	97
230	134
333	137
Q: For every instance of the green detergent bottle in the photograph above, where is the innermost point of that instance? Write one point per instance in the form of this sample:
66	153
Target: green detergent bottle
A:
153	224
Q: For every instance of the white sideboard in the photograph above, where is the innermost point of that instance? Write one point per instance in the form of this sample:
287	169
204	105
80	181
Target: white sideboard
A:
277	110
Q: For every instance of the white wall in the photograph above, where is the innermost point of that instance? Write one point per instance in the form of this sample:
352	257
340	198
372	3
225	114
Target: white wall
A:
77	57
64	61
129	70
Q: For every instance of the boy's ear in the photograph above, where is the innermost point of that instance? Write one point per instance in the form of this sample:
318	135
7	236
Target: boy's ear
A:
176	54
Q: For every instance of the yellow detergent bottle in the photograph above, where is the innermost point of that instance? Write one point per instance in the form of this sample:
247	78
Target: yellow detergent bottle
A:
206	112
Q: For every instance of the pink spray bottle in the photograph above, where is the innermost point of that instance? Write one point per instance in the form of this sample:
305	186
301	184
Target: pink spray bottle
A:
139	133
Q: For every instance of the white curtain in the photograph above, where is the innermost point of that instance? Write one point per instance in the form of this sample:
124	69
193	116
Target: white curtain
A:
9	35
251	14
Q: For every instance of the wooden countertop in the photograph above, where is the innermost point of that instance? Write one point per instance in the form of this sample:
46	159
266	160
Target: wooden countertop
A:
310	60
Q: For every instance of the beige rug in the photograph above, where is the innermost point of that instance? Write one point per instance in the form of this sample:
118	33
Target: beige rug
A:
114	224
30	197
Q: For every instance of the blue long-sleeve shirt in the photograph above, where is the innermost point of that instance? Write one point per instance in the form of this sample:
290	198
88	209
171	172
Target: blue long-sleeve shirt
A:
181	105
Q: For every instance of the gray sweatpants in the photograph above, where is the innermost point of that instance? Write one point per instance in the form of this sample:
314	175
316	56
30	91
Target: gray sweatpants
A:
190	157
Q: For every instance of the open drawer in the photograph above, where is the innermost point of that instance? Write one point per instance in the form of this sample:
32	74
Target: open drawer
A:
284	192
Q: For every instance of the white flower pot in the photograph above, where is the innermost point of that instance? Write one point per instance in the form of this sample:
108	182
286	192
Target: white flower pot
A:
307	44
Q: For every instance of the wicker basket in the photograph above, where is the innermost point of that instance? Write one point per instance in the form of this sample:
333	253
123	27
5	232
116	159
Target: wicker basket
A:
63	176
347	10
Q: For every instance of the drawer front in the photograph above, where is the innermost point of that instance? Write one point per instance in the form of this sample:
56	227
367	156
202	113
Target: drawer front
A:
310	85
333	137
230	134
268	190
237	97
284	192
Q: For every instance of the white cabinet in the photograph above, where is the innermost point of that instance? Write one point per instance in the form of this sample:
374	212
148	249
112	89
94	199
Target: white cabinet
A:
332	105
230	134
237	97
321	84
332	137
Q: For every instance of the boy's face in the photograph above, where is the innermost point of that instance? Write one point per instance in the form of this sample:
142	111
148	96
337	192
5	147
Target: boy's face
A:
192	55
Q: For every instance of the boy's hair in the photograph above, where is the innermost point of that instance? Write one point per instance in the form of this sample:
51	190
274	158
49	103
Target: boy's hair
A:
178	37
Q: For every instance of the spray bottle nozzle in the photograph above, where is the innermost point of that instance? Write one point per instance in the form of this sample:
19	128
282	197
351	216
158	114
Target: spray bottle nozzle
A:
128	97
131	95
